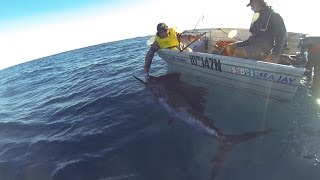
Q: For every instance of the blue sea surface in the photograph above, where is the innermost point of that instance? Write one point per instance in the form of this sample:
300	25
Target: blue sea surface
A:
80	115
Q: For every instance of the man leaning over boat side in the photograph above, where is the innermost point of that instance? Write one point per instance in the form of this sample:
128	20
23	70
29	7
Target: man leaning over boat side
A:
166	38
268	35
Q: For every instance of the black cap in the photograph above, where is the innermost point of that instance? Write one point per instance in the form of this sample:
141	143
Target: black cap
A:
162	27
251	1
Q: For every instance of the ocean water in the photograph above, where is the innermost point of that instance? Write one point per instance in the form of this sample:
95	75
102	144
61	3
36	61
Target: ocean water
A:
80	115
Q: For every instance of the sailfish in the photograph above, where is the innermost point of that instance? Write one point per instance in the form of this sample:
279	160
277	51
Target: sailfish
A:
185	102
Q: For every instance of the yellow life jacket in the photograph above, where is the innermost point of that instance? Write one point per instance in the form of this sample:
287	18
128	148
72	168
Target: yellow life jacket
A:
169	42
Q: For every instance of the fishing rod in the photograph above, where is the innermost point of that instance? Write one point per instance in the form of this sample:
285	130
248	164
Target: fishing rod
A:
201	18
192	42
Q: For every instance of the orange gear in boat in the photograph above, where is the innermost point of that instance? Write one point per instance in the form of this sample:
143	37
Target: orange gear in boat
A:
223	44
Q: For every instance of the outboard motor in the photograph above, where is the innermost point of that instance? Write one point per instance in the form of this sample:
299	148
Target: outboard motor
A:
310	45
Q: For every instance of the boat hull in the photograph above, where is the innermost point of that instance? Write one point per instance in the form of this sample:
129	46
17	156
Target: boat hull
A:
268	79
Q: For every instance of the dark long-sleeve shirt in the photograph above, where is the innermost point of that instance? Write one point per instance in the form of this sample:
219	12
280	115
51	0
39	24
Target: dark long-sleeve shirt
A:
268	32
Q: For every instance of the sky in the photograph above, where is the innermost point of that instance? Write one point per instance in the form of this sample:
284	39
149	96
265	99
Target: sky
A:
35	28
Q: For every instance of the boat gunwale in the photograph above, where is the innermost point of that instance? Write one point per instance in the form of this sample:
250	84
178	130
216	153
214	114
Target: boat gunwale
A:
249	63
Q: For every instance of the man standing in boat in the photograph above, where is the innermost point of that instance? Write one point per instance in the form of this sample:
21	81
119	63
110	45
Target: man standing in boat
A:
166	38
269	35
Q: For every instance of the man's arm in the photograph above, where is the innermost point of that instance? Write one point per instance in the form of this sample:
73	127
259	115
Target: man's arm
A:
280	38
149	56
279	32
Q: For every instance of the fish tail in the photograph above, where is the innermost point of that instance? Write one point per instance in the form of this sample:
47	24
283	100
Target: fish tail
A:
235	139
